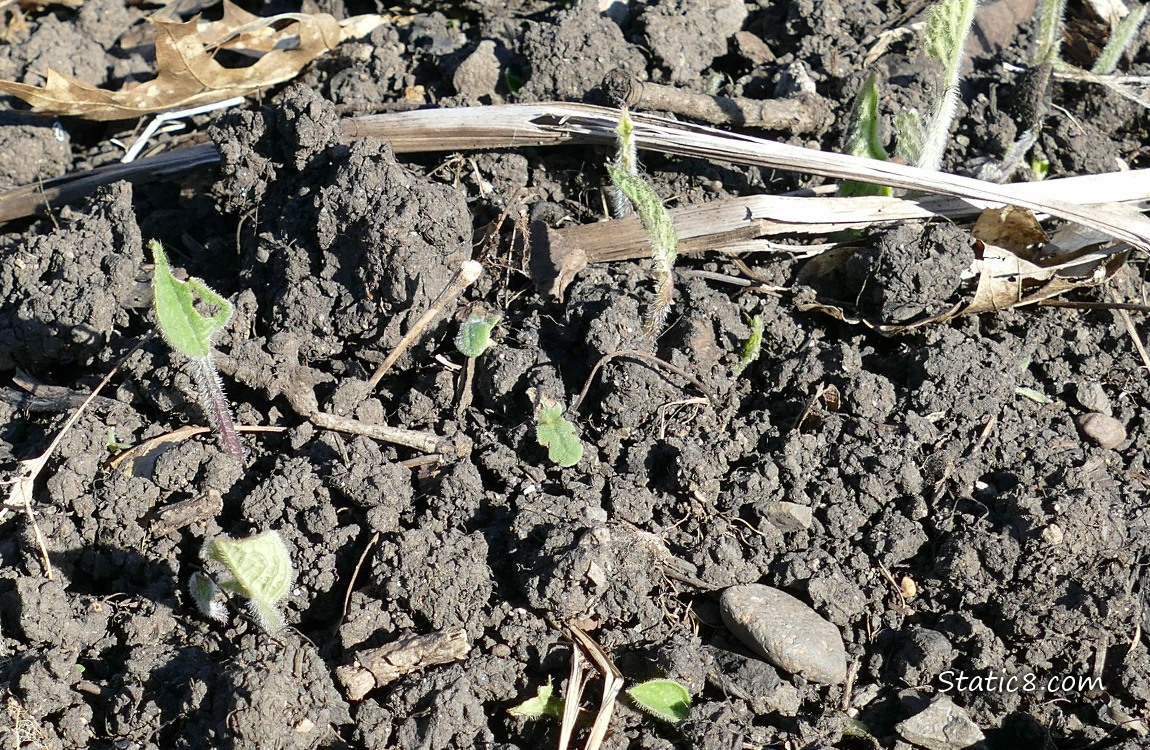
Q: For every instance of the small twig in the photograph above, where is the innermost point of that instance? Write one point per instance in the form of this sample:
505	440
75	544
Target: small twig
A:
1081	305
27	471
421	441
1132	330
183	433
464	277
380	666
805	113
354	575
646	358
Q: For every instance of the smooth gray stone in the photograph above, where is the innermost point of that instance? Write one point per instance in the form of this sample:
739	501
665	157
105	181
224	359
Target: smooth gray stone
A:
943	725
786	632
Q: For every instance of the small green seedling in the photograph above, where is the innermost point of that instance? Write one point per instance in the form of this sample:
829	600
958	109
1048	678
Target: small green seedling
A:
753	346
919	140
1049	42
208	596
655	217
947	28
474	335
261	571
545	703
190	333
557	435
667	700
865	138
1122	36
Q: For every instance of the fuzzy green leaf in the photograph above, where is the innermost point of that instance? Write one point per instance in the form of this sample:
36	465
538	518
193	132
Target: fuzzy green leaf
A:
1123	35
654	215
558	436
947	25
206	595
262	572
908	132
1049	40
1037	397
865	138
545	703
183	327
474	335
664	699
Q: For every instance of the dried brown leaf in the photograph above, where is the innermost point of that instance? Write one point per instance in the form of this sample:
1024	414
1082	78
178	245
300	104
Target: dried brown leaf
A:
1011	227
188	75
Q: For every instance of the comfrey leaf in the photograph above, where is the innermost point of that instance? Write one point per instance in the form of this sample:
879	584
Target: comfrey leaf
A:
183	327
865	138
545	703
664	699
262	572
558	436
474	336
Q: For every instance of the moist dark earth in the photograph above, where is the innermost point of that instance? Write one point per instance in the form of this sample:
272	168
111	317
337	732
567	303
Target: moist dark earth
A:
930	495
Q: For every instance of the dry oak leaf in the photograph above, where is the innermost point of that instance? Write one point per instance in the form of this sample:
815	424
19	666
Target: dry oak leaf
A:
187	75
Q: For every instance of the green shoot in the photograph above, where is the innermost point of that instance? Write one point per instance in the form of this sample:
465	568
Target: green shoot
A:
1039	167
865	138
474	336
545	703
947	27
208	596
557	435
753	346
664	699
190	333
1049	42
626	160
262	572
656	220
908	133
1120	38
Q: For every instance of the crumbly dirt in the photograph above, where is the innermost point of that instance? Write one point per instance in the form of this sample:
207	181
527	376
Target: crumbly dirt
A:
928	494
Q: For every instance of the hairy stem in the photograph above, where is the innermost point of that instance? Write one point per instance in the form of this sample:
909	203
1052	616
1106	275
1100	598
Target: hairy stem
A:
215	403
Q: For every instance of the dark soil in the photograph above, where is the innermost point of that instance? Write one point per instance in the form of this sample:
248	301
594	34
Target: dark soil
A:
914	491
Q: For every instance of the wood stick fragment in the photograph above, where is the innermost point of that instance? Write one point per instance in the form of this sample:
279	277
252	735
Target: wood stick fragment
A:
804	113
379	666
426	442
467	275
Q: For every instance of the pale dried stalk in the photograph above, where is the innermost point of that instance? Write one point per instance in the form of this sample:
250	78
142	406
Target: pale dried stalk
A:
731	224
520	125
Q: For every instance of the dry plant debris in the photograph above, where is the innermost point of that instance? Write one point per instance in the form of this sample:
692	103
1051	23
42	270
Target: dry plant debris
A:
187	73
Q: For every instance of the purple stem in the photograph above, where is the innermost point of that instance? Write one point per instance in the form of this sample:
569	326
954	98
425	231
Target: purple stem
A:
216	405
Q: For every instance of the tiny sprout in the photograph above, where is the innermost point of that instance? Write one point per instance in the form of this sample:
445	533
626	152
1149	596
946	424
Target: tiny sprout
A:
262	572
474	336
208	596
753	346
664	699
190	333
865	138
557	435
545	703
654	216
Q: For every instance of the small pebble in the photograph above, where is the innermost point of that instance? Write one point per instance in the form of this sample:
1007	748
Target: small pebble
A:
789	516
1101	429
943	725
1053	535
1092	397
786	632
